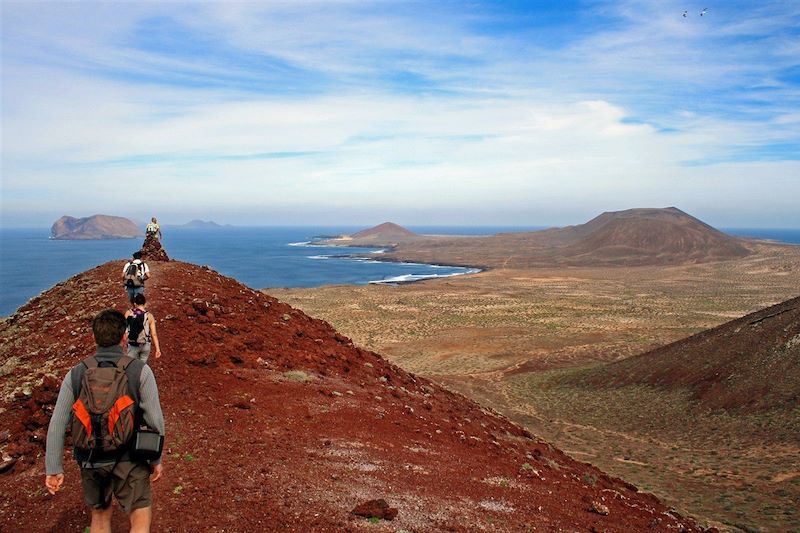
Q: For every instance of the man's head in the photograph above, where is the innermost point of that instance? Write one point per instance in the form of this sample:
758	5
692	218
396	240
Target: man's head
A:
139	299
137	254
109	328
153	220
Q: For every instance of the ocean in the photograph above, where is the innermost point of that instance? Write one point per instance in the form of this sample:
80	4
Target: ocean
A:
260	257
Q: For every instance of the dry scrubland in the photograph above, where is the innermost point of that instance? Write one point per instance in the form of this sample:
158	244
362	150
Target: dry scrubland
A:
514	338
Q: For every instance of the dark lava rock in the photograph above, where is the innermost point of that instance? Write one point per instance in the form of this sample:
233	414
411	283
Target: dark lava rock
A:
375	509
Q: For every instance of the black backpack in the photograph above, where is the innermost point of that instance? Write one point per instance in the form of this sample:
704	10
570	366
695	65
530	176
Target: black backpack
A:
136	333
133	275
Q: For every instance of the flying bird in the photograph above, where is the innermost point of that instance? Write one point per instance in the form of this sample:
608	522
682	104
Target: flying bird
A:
684	13
703	12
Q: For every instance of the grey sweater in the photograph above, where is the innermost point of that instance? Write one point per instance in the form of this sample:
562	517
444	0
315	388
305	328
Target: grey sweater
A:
62	414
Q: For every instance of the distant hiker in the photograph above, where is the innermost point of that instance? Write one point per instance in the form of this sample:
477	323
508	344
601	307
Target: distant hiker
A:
104	399
153	229
141	330
134	274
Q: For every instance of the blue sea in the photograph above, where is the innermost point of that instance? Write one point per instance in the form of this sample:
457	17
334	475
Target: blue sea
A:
261	257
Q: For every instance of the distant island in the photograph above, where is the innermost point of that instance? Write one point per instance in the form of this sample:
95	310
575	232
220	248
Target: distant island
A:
94	228
197	224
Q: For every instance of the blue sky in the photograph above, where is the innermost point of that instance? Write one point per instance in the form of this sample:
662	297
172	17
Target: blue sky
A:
470	113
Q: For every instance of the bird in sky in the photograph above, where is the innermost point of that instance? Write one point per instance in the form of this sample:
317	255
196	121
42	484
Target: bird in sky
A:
703	12
684	13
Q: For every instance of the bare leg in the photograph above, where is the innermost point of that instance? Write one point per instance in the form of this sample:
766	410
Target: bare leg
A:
101	520
140	520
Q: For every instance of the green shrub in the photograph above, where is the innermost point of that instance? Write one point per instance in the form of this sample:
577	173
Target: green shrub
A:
297	375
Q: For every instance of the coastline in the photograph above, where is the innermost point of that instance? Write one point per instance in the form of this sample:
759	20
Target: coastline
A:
259	257
375	256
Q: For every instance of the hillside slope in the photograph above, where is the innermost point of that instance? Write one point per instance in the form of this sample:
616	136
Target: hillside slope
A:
278	423
748	364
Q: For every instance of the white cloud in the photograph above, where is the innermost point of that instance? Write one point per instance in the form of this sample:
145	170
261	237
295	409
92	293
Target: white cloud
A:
512	127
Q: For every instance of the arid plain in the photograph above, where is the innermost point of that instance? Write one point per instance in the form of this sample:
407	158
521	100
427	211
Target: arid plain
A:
512	338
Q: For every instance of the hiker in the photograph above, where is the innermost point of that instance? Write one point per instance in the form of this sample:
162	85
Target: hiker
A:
141	330
134	273
104	452
153	229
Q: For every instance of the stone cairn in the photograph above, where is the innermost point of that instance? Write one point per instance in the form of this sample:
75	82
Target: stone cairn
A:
152	250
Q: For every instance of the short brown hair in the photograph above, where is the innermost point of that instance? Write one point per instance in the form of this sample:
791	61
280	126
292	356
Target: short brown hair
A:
109	327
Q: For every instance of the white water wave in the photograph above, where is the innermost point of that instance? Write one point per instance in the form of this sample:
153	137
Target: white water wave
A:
408	278
344	258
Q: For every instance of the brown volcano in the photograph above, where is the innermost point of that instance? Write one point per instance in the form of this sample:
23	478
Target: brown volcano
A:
635	237
387	234
750	364
387	230
649	236
278	423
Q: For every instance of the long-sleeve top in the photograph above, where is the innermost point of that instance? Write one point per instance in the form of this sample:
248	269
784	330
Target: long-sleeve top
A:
62	414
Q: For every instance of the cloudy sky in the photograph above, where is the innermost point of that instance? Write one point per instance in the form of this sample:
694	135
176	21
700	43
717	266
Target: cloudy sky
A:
469	113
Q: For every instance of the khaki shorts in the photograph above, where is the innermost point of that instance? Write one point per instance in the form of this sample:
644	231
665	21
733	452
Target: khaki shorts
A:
128	482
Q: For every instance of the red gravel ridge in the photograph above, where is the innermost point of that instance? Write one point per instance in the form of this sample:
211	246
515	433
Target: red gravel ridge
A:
276	422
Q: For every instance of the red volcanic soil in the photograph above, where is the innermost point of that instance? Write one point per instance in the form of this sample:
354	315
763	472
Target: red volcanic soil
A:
275	422
749	364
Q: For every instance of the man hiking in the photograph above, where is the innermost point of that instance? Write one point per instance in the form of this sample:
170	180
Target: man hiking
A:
102	439
153	229
142	334
134	274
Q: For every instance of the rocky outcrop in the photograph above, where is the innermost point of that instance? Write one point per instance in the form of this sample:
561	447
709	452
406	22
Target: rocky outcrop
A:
375	509
94	227
152	249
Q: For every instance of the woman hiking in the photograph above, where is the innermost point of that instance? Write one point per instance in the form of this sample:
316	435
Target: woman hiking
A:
141	330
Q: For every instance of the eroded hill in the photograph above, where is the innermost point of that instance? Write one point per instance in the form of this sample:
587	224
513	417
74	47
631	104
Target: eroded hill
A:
278	423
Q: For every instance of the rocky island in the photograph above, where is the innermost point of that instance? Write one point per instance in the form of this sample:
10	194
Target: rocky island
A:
94	227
